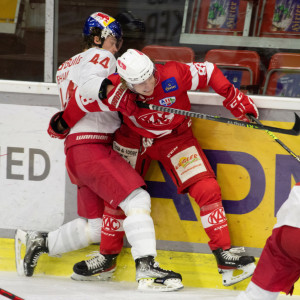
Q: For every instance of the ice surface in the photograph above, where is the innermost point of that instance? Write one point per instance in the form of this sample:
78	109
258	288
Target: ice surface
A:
61	288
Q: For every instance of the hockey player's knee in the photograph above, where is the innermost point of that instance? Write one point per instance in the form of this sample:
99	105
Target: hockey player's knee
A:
206	191
138	202
94	230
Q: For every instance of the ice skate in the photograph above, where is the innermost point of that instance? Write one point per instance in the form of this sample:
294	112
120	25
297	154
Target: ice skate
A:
151	277
20	243
36	244
100	267
229	261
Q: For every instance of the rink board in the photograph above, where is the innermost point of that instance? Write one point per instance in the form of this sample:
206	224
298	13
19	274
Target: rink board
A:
255	175
254	172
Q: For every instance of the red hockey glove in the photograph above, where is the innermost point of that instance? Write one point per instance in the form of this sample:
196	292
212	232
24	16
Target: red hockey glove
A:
120	98
239	105
58	128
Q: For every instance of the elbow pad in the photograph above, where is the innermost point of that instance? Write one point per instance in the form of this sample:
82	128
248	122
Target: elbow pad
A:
103	89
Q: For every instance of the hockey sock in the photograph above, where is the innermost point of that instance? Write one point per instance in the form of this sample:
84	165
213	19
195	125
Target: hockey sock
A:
215	225
112	232
72	236
138	225
140	234
207	194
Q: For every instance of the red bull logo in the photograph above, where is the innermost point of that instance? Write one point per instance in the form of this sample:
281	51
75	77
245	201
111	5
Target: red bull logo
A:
103	18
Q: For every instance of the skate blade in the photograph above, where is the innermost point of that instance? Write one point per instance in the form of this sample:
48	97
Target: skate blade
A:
229	278
20	239
169	285
104	276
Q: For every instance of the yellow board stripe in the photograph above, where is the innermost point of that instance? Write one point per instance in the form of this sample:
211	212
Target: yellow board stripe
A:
197	270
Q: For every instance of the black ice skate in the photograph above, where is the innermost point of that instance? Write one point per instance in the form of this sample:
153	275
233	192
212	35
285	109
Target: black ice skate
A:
100	267
151	277
230	260
36	244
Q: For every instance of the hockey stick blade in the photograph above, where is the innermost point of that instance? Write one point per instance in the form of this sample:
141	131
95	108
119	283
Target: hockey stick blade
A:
276	139
9	295
294	131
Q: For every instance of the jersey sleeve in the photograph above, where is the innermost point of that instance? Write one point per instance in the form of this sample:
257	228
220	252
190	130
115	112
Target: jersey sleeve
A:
207	74
97	66
78	106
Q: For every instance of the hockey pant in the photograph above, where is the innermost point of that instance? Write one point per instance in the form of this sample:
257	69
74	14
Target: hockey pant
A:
100	174
279	265
187	165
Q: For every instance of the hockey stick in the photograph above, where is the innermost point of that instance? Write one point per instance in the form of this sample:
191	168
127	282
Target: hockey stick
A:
294	131
297	157
9	295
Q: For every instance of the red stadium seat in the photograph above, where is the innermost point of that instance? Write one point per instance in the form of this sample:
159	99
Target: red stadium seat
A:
241	67
283	75
163	54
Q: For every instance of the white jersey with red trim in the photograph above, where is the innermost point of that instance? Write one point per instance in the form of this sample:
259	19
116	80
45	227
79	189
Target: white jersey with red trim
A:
83	74
289	212
174	80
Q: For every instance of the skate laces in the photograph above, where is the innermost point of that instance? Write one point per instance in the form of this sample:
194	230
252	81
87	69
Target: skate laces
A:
156	266
232	253
35	258
95	262
237	250
33	235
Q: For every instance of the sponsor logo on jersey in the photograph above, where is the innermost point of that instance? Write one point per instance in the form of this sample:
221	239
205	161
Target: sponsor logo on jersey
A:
167	101
169	85
157	118
187	160
217	216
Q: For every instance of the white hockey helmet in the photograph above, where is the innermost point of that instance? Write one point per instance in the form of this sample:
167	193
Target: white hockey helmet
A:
134	67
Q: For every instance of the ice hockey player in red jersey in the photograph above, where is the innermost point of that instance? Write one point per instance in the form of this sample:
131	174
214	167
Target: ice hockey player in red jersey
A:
168	138
279	265
102	176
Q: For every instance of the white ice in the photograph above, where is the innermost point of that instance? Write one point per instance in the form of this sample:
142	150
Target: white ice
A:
60	288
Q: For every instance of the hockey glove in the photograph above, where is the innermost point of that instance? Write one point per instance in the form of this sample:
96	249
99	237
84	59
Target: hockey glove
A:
120	98
239	105
58	128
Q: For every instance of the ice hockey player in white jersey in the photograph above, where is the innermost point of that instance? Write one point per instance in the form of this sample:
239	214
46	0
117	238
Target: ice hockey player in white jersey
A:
279	265
105	181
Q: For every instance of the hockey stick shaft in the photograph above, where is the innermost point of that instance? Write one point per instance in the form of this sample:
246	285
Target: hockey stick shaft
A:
294	131
297	157
9	295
